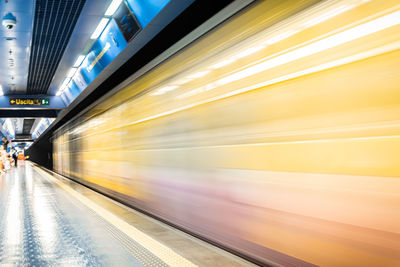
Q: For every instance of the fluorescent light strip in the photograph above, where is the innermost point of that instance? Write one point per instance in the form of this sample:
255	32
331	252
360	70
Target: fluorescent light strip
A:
63	86
71	72
112	8
79	61
38	126
102	24
10	127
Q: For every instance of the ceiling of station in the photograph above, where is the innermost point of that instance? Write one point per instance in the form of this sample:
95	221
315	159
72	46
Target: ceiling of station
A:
40	48
53	24
22	126
39	51
45	41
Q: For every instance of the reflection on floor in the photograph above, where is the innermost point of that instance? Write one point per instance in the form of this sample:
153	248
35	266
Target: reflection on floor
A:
47	220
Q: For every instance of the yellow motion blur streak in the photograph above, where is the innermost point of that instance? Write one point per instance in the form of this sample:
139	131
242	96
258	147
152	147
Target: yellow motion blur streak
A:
280	128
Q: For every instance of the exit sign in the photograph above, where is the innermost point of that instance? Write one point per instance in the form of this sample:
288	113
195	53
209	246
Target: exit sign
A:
29	101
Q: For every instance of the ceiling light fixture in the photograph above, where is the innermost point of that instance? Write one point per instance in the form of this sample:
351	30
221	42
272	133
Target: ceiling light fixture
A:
63	86
112	8
71	72
38	126
99	29
79	61
10	127
65	82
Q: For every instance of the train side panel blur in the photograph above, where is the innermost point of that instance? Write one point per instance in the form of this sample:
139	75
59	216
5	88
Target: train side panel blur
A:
275	135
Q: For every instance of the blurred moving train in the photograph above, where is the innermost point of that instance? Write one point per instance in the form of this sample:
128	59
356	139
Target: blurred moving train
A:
276	135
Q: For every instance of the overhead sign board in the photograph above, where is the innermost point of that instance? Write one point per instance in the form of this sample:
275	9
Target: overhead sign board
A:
29	101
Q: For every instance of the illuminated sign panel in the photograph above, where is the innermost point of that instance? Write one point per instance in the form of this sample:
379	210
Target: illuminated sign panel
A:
29	101
110	43
146	10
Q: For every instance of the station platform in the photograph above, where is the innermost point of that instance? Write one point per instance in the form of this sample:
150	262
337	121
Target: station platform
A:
48	220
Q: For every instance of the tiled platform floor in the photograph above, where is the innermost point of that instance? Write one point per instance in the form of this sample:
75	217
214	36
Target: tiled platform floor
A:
47	220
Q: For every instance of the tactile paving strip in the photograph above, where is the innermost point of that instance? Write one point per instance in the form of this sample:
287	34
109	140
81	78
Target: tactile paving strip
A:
145	249
141	254
41	227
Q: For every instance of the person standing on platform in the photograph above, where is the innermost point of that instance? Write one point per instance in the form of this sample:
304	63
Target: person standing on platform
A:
15	157
8	142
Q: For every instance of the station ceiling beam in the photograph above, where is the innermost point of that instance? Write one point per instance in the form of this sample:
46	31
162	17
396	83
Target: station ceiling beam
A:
29	113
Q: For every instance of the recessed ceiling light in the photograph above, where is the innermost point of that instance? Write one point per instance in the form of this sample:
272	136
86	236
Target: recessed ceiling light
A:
112	7
79	61
71	72
99	29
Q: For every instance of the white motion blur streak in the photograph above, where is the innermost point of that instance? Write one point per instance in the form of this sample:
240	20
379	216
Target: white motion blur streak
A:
321	45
